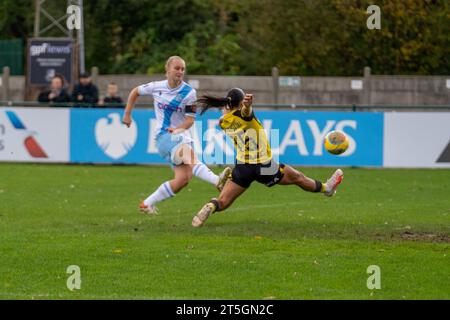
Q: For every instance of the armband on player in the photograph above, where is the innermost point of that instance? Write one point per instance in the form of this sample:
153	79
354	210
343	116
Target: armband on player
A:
191	109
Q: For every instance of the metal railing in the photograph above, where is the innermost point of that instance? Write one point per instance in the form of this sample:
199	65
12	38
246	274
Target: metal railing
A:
4	103
352	107
299	107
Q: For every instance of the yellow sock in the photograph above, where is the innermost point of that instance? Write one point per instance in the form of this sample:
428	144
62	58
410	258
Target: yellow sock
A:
324	188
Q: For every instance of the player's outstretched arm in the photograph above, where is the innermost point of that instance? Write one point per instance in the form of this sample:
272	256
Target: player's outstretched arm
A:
130	105
246	110
187	123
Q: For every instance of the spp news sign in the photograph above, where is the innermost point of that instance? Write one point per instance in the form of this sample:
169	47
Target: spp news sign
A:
97	136
47	57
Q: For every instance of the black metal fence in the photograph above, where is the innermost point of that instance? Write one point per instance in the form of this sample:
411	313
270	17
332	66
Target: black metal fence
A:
299	107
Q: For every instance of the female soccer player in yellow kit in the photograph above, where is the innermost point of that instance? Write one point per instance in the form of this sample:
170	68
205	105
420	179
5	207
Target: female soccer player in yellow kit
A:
253	155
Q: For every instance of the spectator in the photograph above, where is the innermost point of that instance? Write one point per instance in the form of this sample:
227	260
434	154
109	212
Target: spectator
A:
85	92
57	93
113	96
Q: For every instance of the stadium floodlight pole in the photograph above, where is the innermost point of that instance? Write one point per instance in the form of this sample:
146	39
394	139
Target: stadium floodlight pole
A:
80	34
37	17
40	9
69	2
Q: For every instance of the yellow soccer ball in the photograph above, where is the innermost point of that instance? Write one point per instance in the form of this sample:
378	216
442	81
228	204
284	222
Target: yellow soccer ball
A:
336	142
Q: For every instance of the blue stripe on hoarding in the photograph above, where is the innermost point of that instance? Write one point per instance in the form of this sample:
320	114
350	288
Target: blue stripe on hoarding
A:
15	121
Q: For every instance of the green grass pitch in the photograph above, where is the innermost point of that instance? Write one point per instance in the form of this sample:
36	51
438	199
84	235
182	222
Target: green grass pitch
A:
273	243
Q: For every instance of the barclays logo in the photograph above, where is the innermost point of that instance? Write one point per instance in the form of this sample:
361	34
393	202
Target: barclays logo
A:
113	137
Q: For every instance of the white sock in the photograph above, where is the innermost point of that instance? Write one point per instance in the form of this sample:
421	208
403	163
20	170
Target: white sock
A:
162	193
204	173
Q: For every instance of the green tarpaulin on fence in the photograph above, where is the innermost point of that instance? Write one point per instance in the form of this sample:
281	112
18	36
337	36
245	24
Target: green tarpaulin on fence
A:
11	55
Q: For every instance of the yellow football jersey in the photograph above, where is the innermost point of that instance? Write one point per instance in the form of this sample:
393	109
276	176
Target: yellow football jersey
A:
249	137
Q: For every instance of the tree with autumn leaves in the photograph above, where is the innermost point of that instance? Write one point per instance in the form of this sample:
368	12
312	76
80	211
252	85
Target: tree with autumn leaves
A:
231	37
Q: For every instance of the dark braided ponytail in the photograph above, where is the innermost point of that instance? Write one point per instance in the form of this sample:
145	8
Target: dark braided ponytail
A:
233	99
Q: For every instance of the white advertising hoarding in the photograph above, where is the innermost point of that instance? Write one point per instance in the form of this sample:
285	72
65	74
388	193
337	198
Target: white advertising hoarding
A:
34	134
417	139
406	139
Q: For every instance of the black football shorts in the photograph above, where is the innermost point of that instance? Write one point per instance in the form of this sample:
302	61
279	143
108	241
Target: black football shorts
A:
268	174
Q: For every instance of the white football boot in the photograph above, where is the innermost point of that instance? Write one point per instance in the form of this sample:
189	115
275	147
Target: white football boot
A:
333	182
223	178
149	209
202	215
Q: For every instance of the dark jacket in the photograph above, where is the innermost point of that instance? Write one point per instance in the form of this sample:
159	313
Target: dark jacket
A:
89	93
62	97
116	100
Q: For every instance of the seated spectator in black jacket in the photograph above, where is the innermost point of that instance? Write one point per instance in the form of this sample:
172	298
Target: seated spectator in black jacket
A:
57	93
112	97
85	92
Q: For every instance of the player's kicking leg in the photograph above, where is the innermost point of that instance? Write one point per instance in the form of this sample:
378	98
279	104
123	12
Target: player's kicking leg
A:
292	176
229	193
185	154
185	165
333	182
183	174
148	209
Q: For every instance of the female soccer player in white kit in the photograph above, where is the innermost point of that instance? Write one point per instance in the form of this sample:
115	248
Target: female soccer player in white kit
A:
174	102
